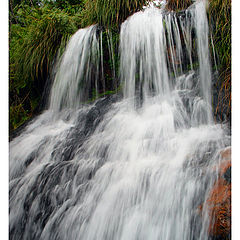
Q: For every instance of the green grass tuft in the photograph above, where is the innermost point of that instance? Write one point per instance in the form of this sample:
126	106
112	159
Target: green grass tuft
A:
178	5
36	36
220	22
110	13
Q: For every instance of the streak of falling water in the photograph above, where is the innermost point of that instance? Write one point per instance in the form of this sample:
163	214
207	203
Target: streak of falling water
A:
201	25
187	28
111	171
75	71
111	55
101	55
143	67
174	42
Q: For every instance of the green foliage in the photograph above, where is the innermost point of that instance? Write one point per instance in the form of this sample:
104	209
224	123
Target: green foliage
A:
36	35
106	93
18	115
110	13
39	31
220	21
68	5
35	44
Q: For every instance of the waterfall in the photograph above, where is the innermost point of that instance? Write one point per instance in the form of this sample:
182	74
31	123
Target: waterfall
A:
142	46
203	53
77	71
123	168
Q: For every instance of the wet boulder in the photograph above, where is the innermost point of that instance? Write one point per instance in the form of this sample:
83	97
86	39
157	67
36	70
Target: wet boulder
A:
219	200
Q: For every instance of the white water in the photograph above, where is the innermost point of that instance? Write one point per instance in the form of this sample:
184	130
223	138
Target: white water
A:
142	45
78	69
138	168
201	26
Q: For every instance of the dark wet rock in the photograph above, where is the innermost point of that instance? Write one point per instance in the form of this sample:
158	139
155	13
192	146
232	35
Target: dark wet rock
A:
227	175
54	186
83	129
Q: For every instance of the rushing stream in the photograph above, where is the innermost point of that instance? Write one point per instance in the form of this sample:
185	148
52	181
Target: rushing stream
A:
131	167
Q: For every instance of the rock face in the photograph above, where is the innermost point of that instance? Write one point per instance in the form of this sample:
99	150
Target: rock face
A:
219	200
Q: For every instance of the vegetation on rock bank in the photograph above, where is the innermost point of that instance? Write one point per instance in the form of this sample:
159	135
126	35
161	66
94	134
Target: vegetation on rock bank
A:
39	30
220	22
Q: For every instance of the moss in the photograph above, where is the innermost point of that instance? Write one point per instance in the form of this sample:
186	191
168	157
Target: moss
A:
103	94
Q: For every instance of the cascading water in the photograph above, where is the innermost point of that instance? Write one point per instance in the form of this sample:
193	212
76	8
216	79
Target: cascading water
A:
78	71
142	46
131	168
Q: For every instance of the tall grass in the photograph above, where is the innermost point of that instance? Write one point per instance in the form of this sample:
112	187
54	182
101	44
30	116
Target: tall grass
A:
220	22
178	5
110	13
35	39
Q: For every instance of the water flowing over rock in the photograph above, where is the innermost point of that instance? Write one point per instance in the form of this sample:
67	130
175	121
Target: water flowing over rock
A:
131	167
78	70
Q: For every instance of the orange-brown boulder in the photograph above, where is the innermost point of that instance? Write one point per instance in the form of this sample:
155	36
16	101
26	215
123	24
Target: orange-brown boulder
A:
219	200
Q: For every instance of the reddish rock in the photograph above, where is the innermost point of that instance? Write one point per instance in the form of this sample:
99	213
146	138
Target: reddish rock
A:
219	200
